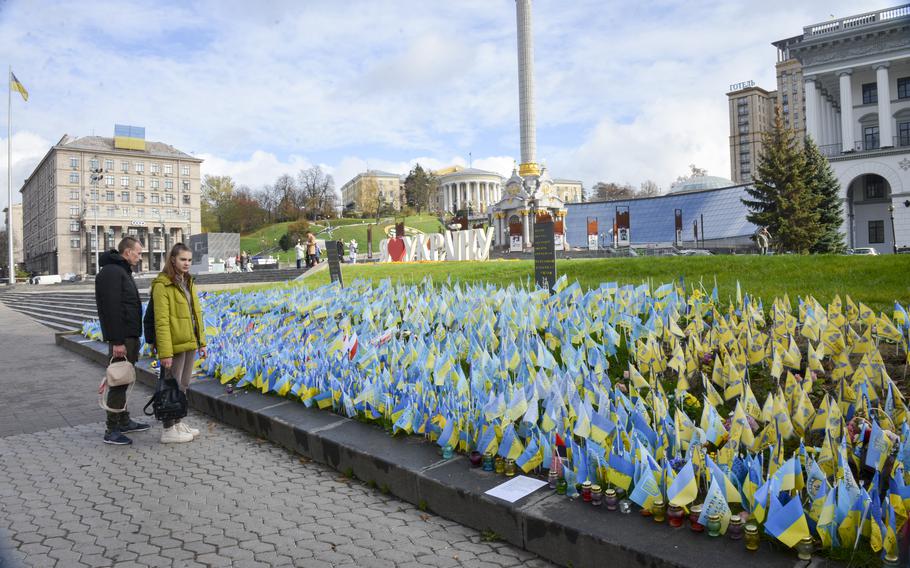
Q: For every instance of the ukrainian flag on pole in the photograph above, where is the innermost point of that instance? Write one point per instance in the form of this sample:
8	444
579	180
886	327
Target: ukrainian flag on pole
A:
16	85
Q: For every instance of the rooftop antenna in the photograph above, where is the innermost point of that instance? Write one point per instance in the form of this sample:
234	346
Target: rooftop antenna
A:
470	160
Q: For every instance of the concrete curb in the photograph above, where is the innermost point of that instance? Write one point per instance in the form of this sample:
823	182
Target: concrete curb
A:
567	533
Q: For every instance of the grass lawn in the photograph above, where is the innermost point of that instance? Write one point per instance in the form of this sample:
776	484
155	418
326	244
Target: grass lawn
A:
343	229
876	280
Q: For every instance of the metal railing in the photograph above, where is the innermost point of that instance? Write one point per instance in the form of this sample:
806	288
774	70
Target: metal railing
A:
860	146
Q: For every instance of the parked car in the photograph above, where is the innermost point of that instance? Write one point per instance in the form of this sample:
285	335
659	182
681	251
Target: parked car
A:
864	251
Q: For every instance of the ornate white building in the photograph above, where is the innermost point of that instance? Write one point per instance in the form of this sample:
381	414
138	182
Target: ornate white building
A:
857	95
461	188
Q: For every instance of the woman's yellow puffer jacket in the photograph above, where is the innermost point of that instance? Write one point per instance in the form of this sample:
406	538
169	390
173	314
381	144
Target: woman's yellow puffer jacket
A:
173	322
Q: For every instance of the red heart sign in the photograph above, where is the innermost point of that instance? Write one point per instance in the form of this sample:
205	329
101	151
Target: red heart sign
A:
396	249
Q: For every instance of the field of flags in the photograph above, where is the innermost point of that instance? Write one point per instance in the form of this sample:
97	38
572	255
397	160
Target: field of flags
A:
792	412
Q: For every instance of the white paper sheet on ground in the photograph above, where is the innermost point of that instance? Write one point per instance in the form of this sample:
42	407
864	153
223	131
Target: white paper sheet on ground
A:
516	488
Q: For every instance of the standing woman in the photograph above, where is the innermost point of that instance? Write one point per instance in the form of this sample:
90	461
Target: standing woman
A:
179	332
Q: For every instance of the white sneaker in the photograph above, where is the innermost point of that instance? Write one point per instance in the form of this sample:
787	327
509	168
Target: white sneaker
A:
174	436
183	427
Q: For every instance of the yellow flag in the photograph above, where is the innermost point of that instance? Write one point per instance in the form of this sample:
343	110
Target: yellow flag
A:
17	85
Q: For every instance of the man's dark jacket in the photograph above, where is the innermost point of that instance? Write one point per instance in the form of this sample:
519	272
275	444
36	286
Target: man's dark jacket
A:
117	298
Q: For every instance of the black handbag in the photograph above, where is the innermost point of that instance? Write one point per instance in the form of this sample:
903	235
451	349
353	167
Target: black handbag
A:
169	402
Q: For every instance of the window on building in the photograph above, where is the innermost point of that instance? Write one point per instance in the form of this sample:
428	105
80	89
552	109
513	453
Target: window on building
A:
93	163
155	168
903	133
140	197
140	212
124	196
876	232
184	170
169	199
75	242
94	194
903	88
125	181
155	198
140	167
74	194
140	183
186	185
154	184
743	128
74	210
168	169
870	93
109	195
74	177
124	167
870	138
124	210
154	212
74	226
168	184
874	187
94	209
111	211
186	199
109	181
74	162
108	165
785	108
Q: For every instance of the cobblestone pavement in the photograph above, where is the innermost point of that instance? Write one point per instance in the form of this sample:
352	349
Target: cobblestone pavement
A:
226	499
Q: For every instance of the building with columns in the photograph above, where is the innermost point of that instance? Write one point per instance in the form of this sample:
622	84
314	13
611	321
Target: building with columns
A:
372	190
87	193
461	188
856	74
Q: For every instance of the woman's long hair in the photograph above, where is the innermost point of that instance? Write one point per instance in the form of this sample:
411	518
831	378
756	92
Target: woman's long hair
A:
169	267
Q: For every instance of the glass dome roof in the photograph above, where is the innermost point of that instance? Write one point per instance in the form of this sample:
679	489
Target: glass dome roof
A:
698	183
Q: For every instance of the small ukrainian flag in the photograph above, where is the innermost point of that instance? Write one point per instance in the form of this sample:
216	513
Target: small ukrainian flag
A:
16	85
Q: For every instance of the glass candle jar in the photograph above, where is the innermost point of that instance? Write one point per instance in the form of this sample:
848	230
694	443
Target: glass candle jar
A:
714	525
694	515
586	491
659	510
890	561
510	468
752	536
805	548
561	486
675	516
476	458
488	462
597	496
447	452
610	499
499	465
735	528
552	478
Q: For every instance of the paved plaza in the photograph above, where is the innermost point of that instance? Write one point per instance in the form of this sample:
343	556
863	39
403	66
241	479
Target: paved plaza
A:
227	499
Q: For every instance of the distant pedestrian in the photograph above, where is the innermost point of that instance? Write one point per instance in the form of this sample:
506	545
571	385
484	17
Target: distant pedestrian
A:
120	314
312	250
352	251
300	251
179	329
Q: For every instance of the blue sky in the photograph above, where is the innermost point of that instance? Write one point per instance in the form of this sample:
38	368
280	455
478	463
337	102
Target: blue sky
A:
625	92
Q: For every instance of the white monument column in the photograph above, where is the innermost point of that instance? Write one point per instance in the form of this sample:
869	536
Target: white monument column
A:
526	82
526	229
811	93
846	111
885	130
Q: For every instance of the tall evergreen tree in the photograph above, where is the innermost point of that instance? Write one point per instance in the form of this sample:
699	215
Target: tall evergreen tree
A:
781	198
823	183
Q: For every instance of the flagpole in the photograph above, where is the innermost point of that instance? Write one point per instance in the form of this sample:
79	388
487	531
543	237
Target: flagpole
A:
11	268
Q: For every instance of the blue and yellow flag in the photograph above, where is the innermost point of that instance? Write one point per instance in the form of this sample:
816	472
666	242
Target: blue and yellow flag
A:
16	85
787	523
684	488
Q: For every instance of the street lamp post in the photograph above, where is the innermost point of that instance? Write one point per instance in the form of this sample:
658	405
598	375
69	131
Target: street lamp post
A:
893	237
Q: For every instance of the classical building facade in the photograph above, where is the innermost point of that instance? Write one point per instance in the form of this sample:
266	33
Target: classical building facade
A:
368	190
459	189
569	190
856	74
846	84
87	193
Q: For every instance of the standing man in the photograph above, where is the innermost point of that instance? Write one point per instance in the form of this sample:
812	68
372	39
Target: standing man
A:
312	254
301	253
120	312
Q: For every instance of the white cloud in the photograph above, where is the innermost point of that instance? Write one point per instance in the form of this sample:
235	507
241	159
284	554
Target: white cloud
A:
28	149
259	169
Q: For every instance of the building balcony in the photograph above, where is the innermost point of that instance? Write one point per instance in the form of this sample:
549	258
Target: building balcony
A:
853	23
866	148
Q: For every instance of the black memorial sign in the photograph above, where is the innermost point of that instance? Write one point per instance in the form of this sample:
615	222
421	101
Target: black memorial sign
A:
544	255
331	249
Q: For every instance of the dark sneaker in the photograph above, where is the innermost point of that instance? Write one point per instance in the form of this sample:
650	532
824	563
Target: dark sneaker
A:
133	426
117	439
